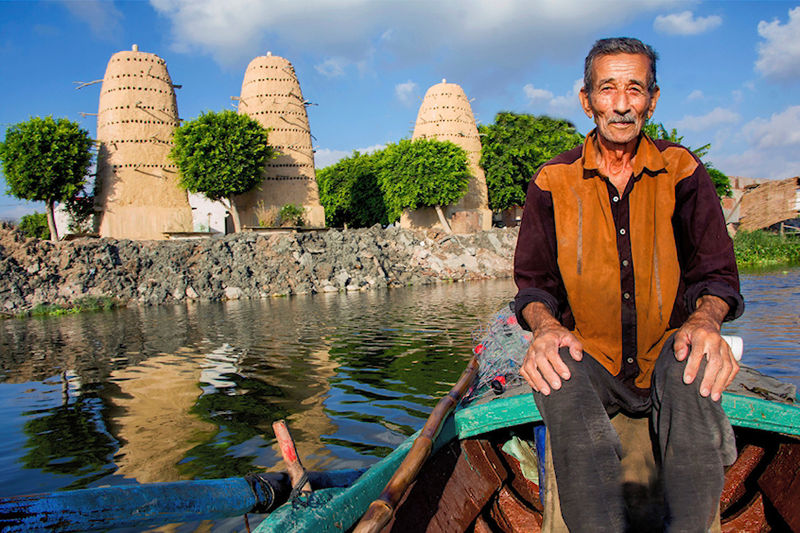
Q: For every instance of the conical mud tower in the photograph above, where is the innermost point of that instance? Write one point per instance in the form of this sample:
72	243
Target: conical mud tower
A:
445	115
138	195
271	95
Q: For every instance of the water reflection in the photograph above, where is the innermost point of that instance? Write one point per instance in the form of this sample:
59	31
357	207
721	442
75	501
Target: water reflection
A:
191	391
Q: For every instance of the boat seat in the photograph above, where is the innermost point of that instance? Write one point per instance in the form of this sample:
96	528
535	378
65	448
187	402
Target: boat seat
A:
639	473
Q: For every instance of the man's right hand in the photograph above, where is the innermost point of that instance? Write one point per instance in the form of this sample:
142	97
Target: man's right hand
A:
543	367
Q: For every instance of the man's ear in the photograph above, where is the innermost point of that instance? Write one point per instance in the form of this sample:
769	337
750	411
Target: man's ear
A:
653	101
586	102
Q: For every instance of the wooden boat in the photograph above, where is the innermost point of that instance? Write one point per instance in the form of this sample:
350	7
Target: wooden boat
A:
480	467
471	484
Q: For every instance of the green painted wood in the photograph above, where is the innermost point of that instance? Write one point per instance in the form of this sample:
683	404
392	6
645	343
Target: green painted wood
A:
757	413
346	506
499	413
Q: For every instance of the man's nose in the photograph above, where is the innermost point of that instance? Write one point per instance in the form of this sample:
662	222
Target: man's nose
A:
622	103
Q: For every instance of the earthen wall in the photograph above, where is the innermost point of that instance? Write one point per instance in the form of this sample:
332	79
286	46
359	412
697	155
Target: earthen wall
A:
446	115
139	196
271	95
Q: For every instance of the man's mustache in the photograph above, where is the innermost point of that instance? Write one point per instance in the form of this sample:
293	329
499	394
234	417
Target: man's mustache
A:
627	118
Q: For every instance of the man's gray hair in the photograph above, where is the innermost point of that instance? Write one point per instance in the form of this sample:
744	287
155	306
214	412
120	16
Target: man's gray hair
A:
619	45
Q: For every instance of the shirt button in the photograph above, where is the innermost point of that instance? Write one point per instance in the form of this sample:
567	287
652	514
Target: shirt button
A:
622	231
616	198
627	296
625	262
630	360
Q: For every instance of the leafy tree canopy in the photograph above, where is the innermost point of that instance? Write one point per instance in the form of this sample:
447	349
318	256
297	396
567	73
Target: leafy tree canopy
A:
46	160
349	191
514	147
422	173
721	182
221	155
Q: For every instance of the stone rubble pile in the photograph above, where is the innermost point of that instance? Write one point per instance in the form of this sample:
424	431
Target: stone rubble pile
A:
244	265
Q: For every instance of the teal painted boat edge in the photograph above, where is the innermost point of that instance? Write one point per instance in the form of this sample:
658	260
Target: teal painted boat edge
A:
496	414
742	411
346	506
758	413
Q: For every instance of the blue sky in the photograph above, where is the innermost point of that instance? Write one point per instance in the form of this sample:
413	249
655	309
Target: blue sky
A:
729	71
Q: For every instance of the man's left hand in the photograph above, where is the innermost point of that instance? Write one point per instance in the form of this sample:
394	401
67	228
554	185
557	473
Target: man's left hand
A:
699	338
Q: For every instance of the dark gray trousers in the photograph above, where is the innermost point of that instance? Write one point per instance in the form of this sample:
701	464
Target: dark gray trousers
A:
693	436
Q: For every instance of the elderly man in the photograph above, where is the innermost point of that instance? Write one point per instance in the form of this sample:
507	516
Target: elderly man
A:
625	273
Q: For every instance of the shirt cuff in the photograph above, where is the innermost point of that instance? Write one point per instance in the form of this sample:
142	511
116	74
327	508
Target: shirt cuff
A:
719	289
530	295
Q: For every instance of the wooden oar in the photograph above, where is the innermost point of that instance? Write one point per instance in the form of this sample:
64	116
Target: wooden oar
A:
380	511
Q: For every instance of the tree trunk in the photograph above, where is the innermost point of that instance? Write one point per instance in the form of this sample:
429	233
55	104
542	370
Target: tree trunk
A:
443	220
51	220
237	225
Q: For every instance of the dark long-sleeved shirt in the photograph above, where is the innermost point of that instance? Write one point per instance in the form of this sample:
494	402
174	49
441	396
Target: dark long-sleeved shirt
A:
623	271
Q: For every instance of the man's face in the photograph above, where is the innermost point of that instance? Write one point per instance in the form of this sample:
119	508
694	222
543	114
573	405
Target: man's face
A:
619	102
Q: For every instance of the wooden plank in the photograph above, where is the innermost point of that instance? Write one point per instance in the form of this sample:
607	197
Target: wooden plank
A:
735	477
751	519
481	526
780	483
527	489
452	490
513	516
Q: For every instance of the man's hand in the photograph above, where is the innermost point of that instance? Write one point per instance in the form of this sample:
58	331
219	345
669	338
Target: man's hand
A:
699	338
543	367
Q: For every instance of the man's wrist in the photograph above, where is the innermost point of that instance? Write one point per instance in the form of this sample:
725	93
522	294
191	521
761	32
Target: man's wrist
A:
539	318
710	309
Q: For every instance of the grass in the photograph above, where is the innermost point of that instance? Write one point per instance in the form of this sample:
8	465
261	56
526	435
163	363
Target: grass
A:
87	303
756	249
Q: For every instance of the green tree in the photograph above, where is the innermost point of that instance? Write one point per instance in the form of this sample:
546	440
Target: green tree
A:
514	147
422	173
46	160
656	130
35	225
350	193
221	155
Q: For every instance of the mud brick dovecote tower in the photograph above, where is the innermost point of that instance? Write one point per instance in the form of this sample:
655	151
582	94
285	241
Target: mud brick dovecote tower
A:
446	115
138	196
271	95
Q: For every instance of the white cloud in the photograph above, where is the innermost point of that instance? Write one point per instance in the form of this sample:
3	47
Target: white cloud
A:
407	93
697	94
774	148
716	117
779	131
779	53
559	104
685	23
499	33
325	157
333	67
103	18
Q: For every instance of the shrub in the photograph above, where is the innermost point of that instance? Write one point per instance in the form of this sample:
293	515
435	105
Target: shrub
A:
761	248
349	191
291	215
35	226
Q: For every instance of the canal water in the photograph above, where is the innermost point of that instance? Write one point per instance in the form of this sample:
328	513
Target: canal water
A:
190	391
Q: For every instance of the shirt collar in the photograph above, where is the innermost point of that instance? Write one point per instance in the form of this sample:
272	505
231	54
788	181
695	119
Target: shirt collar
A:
647	156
